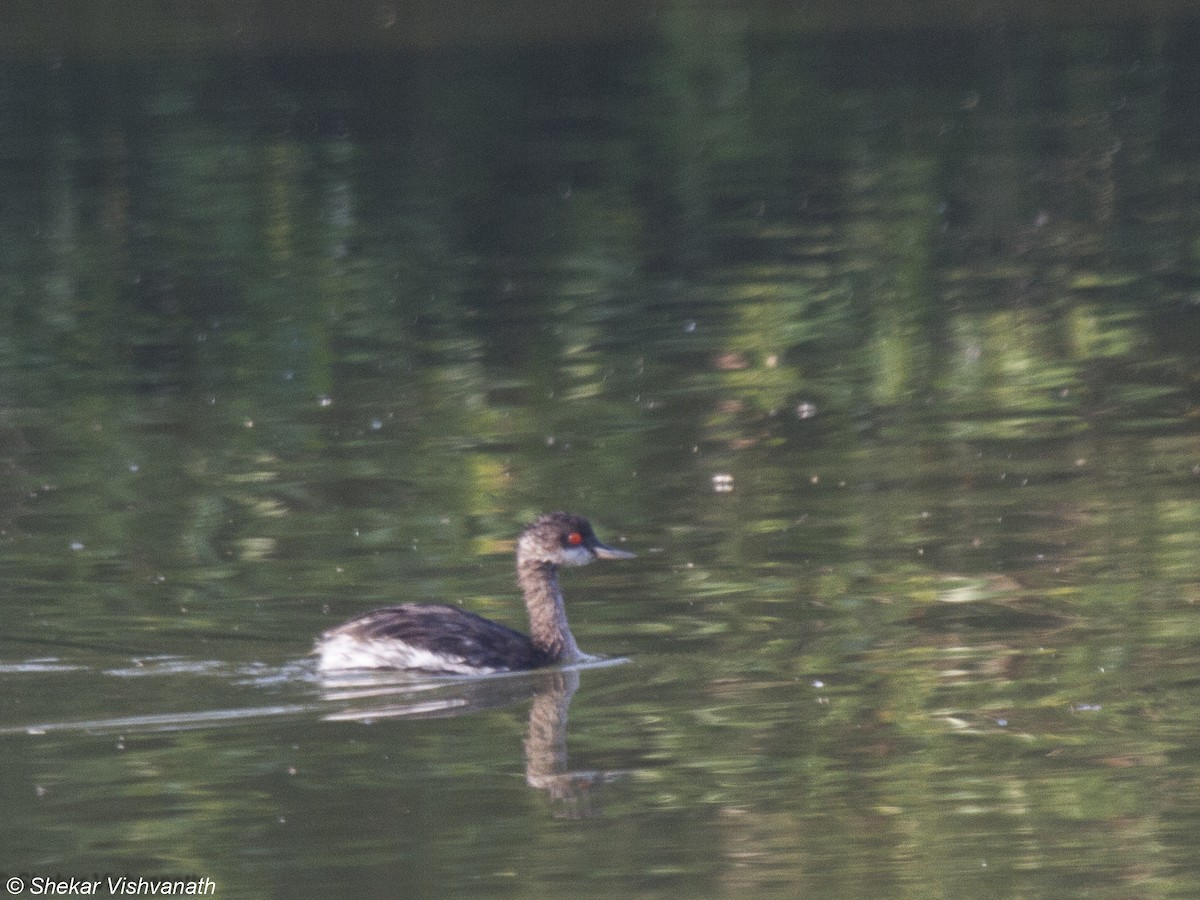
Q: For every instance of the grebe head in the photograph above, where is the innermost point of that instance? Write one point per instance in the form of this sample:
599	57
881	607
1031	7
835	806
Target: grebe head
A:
563	539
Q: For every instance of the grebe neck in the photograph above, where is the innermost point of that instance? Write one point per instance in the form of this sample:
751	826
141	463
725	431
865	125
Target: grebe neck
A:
548	628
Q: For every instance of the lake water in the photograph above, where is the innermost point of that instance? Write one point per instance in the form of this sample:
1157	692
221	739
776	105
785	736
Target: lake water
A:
877	343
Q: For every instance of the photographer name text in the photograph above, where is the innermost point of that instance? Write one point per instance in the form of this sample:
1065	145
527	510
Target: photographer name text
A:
112	885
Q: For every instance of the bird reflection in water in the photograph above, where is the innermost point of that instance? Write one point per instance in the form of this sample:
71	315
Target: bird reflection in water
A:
370	696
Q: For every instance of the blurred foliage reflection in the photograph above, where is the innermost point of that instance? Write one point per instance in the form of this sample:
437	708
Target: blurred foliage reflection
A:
879	348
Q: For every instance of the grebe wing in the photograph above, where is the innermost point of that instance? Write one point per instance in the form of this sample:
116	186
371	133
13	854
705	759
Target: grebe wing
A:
437	631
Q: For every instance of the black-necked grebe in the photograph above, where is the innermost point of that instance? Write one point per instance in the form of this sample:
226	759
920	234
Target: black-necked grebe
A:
445	639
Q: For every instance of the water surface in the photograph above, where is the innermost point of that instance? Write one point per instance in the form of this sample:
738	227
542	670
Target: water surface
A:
877	346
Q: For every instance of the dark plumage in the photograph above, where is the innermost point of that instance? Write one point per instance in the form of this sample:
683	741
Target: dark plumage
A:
445	639
445	631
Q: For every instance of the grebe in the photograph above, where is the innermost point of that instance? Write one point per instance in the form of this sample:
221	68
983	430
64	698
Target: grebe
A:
443	639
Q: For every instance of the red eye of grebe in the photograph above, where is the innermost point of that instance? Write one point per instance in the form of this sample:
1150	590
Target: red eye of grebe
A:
574	538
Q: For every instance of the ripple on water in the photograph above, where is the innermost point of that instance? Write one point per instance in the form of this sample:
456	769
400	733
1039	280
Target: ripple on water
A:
38	666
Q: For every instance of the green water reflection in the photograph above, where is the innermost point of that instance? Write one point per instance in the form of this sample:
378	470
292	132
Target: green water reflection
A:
878	348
